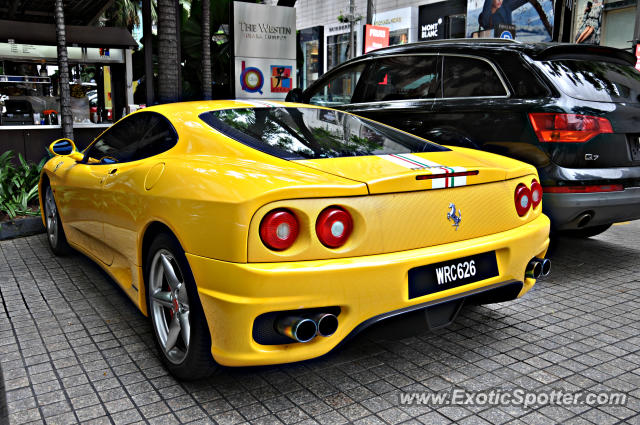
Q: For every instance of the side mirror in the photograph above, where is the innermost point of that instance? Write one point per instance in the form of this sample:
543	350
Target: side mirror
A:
65	147
294	95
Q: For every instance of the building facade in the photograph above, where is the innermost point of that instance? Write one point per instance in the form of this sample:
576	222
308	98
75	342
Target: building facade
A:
324	41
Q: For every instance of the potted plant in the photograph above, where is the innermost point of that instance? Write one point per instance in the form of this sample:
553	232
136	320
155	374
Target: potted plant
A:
19	208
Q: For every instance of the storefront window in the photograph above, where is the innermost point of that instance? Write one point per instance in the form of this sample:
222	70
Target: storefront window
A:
399	23
30	84
338	49
312	64
400	36
618	27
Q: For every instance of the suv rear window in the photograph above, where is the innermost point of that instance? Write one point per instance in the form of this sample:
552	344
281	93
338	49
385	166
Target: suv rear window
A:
594	80
305	133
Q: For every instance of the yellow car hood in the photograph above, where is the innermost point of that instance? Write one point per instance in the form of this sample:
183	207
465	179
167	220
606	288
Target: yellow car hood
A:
420	171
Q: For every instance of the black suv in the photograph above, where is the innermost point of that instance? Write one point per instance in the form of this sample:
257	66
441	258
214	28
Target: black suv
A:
573	111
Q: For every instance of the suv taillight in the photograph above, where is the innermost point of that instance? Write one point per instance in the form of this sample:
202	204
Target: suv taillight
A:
568	128
279	229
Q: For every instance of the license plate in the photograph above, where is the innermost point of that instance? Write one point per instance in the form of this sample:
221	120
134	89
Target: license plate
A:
438	277
634	147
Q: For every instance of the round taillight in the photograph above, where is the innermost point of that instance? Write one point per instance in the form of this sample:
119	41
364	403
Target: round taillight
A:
333	227
536	193
523	199
279	229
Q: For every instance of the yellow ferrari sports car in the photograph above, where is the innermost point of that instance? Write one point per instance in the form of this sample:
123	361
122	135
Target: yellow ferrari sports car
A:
256	233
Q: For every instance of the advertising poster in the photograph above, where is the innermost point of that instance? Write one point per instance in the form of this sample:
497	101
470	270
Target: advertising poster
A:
264	78
375	37
588	22
265	50
524	20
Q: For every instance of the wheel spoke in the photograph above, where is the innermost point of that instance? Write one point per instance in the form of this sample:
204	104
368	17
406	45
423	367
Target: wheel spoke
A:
51	204
185	327
169	273
163	298
172	336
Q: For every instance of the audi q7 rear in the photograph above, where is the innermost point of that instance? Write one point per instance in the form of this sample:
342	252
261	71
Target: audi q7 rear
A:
573	111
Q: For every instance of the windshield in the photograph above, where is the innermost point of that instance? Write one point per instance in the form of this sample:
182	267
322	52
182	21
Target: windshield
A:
594	80
306	133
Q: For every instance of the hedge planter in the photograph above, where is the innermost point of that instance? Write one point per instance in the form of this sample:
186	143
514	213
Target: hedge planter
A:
21	227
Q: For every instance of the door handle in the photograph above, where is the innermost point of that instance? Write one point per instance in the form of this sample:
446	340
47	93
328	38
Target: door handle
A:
115	170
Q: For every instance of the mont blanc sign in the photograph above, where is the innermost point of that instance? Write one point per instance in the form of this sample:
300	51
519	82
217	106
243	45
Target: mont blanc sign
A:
264	41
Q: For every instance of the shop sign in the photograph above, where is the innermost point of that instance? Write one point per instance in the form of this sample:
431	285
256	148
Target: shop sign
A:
104	55
432	18
432	30
394	19
34	51
330	30
264	49
50	53
375	38
262	31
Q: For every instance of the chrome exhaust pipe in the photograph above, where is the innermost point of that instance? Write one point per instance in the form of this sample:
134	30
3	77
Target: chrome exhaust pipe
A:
546	266
297	328
534	269
538	267
583	219
327	323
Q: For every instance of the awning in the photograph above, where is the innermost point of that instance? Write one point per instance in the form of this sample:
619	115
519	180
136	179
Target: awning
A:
82	36
76	12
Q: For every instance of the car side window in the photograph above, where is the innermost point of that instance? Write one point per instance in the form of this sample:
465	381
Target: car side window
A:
403	77
136	137
470	77
339	89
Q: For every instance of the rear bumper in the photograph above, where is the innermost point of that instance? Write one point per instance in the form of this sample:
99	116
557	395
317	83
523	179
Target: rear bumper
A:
564	209
365	288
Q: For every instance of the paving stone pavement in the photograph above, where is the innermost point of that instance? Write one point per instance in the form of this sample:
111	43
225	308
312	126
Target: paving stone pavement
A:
74	349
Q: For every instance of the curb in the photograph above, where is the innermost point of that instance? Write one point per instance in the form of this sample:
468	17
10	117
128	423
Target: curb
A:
21	227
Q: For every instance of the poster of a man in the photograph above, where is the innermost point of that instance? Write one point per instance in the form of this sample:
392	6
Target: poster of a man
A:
589	30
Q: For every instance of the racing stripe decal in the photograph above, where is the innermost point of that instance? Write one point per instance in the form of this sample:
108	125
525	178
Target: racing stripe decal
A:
414	162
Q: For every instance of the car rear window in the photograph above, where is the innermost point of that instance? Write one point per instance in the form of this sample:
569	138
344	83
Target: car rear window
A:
305	133
594	80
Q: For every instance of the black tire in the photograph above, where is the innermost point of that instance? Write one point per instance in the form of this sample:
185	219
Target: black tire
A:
185	360
587	232
53	224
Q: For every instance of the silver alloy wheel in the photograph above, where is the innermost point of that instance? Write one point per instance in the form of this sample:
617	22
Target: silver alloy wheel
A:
169	306
51	214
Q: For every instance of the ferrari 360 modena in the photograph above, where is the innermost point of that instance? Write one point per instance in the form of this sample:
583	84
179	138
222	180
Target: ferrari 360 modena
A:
256	233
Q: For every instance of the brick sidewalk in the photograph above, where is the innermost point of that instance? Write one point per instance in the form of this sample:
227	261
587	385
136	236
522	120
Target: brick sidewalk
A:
74	349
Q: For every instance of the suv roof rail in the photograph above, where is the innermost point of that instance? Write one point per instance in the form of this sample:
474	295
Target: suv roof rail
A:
451	41
473	40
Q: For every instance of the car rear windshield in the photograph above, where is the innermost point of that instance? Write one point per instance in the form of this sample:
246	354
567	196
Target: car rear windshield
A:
594	80
306	133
